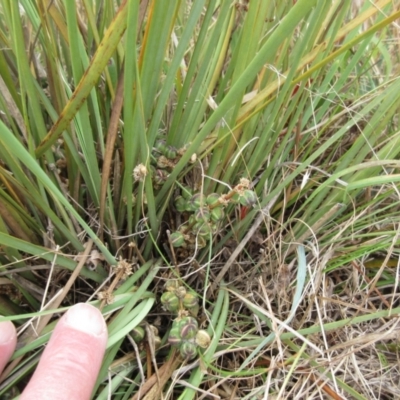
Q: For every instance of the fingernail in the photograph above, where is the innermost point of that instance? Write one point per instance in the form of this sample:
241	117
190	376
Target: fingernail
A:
86	318
7	332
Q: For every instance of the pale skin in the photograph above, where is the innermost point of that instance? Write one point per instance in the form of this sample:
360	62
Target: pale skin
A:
71	361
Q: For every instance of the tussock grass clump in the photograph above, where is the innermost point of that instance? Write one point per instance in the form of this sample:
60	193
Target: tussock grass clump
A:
247	151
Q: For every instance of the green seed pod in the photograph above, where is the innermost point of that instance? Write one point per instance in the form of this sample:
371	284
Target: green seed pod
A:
196	226
203	215
174	337
217	214
248	198
138	333
160	146
195	202
188	350
189	331
187	192
192	220
234	198
184	322
191	303
190	300
170	152
177	239
213	200
171	284
203	339
180	204
170	302
204	230
176	323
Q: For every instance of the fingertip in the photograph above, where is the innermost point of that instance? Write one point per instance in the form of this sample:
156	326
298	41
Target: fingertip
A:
86	318
8	333
8	341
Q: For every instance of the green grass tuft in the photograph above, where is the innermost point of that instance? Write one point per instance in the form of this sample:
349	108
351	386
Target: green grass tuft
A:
247	151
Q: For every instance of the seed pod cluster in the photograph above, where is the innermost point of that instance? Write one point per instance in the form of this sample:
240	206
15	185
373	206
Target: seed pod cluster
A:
162	148
186	335
138	334
206	213
163	159
177	298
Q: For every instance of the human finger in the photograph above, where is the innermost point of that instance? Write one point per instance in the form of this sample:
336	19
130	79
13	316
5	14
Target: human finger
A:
72	359
8	341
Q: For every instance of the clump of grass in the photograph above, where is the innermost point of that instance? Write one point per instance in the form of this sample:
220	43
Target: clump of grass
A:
122	120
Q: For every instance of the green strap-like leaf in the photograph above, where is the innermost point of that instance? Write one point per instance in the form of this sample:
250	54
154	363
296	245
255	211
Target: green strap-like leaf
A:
105	50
